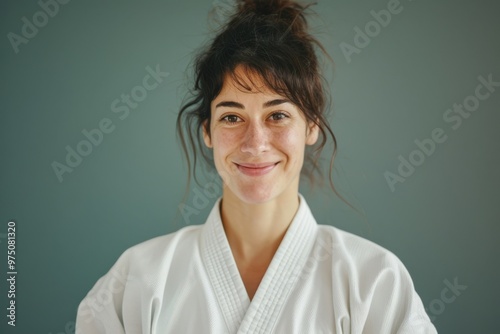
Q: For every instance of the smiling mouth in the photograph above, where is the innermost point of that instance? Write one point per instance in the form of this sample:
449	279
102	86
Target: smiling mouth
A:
256	169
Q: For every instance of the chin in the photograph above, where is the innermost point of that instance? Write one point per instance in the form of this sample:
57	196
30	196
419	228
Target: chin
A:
254	194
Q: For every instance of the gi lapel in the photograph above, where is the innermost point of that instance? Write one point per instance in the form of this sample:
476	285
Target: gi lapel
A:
222	271
259	315
282	273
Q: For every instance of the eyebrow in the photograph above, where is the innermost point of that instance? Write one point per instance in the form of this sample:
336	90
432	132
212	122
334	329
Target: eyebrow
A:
232	104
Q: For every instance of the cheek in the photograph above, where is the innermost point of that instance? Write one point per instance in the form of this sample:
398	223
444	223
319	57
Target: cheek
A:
223	143
291	141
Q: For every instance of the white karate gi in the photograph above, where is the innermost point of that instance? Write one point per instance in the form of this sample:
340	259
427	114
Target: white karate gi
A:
320	280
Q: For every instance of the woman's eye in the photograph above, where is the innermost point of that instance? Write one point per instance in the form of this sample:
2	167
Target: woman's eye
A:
278	116
233	119
230	119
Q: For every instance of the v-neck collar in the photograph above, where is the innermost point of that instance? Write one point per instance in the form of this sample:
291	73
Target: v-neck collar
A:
260	314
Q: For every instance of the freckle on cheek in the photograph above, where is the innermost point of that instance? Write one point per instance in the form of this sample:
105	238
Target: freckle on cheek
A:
288	138
225	138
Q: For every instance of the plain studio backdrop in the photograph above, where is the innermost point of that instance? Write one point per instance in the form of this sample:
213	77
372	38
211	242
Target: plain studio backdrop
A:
90	164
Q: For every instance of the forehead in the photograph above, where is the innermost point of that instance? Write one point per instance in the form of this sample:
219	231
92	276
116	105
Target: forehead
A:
246	81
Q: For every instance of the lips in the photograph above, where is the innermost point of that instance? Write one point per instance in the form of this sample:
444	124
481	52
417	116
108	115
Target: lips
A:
256	169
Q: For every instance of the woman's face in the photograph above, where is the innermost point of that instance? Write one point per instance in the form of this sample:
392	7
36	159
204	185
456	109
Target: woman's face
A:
258	140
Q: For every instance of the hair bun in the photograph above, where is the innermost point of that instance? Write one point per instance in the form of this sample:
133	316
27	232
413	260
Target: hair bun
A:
284	11
268	7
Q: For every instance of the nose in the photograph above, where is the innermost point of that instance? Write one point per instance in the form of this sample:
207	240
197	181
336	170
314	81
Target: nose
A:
256	139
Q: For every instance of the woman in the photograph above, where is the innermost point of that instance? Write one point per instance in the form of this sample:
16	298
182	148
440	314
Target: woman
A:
260	263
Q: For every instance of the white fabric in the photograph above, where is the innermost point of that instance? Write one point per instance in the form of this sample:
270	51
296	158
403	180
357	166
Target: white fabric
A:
321	280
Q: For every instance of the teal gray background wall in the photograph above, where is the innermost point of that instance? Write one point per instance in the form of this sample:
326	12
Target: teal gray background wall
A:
396	85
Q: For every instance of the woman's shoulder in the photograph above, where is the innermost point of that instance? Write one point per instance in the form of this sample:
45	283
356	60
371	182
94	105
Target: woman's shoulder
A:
155	249
384	294
169	240
139	269
151	256
357	251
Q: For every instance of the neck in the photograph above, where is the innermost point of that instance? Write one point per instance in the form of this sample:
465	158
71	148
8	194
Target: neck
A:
255	231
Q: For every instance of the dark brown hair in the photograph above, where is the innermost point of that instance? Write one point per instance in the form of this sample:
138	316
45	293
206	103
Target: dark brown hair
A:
269	38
